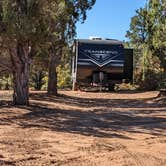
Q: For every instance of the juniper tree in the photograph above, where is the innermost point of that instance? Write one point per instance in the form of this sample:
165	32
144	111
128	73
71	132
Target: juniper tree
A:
23	29
147	33
28	25
70	11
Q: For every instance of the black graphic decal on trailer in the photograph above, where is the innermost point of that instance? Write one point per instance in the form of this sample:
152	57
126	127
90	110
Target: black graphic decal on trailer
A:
100	55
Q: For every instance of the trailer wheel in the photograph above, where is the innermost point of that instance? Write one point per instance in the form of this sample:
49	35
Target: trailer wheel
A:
111	87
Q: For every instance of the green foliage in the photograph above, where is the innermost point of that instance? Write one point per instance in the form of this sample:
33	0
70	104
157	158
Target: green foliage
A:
38	72
27	27
64	76
37	79
5	82
150	82
64	69
147	36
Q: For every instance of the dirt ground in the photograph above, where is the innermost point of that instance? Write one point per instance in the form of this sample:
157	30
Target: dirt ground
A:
84	129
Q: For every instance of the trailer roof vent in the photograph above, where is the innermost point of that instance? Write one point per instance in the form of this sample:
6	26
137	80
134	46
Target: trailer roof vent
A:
95	38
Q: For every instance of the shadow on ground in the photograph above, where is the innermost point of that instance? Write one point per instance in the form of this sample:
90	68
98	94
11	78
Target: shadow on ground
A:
91	102
100	121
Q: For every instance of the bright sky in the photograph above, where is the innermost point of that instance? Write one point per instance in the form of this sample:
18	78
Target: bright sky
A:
109	19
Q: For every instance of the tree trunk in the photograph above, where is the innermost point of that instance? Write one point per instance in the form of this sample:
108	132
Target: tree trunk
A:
20	62
52	75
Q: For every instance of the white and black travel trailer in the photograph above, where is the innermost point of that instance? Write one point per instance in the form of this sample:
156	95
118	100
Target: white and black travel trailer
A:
101	63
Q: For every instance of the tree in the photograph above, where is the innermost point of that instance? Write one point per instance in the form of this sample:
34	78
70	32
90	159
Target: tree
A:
147	34
23	29
26	26
71	11
159	37
15	39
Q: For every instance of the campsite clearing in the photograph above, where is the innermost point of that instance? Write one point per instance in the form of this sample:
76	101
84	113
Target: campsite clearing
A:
123	128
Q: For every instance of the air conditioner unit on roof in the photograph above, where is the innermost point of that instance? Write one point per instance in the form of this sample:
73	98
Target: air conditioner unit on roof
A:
95	38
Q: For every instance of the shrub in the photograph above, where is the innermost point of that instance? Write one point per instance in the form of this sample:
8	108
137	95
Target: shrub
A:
151	81
6	82
64	76
37	79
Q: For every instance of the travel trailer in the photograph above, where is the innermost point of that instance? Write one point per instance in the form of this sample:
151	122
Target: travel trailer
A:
101	63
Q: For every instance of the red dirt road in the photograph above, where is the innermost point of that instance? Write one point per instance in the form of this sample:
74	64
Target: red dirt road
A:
84	129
